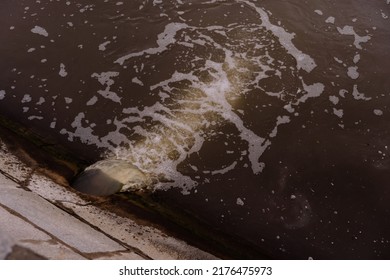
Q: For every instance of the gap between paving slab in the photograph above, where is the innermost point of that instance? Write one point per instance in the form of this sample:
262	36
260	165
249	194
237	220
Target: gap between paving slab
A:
33	223
147	239
56	222
32	238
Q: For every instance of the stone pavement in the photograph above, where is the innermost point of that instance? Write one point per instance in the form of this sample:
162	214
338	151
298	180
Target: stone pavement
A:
40	219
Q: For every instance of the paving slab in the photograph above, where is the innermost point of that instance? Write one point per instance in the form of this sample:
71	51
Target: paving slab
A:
56	222
151	241
6	244
6	182
11	224
26	235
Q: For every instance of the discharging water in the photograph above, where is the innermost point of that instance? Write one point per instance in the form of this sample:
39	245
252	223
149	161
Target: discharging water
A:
267	119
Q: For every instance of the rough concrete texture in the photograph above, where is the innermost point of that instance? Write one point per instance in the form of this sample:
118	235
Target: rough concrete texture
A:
33	238
6	244
57	222
42	219
9	250
12	166
7	183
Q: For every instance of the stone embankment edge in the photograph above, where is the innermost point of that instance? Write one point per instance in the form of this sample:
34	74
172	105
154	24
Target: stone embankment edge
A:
42	218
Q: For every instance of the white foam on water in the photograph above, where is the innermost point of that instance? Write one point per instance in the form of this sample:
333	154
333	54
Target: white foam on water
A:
35	118
164	39
87	8
40	31
113	96
225	170
85	134
105	78
62	71
217	93
356	58
41	101
378	112
215	101
289	108
338	60
334	99
359	95
26	98
338	112
191	108
181	130
304	61
137	81
348	30
312	91
330	20
240	202
92	101
318	12
280	120
102	46
53	123
342	92
352	72
2	94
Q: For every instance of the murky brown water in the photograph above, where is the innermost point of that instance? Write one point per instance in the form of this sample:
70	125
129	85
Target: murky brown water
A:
267	119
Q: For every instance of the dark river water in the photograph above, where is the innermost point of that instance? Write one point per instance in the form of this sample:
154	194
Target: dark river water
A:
269	120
